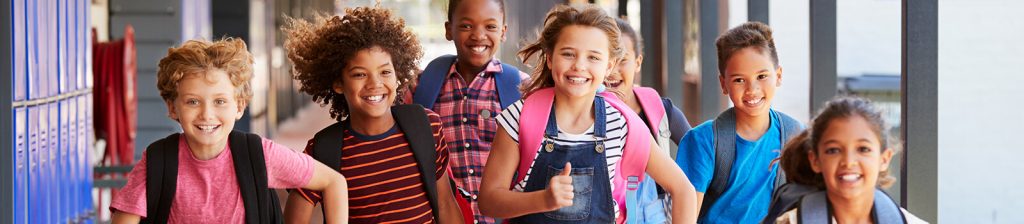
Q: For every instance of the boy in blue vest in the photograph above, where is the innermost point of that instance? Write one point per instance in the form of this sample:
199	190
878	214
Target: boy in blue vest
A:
729	160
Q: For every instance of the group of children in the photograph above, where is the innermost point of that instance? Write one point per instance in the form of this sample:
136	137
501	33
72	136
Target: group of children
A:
473	140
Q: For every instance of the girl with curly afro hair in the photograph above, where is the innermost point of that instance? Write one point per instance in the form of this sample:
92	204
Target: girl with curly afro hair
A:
357	63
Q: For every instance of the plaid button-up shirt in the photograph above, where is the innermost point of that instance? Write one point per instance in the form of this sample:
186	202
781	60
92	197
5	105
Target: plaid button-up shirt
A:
467	113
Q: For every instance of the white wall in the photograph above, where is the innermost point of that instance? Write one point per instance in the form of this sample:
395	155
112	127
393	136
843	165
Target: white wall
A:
789	21
868	37
980	114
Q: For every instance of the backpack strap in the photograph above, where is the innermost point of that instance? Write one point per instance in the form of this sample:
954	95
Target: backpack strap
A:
508	85
161	178
788	126
672	120
724	128
635	153
327	144
431	81
814	208
785	198
654	108
260	202
633	165
725	152
413	121
885	210
536	108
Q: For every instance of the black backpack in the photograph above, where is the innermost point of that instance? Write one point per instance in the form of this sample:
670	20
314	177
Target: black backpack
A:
725	152
260	202
413	121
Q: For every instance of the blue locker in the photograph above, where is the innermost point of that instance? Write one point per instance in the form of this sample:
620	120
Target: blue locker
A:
65	162
20	165
20	62
81	41
84	192
31	51
72	42
62	50
89	148
64	184
43	48
43	190
54	170
34	181
72	179
53	48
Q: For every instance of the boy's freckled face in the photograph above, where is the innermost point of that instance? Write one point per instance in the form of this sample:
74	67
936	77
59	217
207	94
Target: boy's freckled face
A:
207	108
750	80
580	60
849	157
477	27
369	83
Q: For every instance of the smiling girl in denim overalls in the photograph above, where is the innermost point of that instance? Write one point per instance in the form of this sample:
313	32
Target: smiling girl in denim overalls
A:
578	139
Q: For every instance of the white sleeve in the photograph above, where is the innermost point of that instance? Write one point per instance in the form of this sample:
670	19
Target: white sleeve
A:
509	119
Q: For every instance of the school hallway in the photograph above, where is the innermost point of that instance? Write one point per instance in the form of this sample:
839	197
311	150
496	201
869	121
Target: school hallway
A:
296	132
80	105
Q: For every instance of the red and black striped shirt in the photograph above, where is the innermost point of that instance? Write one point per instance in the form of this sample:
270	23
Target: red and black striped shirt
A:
384	183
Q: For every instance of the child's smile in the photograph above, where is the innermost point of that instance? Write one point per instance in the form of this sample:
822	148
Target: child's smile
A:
476	27
625	72
850	158
750	80
580	61
369	83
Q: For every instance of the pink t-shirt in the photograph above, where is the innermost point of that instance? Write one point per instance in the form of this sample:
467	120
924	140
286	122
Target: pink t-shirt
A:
207	191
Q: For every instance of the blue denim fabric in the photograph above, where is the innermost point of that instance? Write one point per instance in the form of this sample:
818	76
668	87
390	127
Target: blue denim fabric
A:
592	201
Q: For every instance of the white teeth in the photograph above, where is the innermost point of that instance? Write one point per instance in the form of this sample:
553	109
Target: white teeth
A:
376	98
754	101
850	177
577	80
479	49
207	128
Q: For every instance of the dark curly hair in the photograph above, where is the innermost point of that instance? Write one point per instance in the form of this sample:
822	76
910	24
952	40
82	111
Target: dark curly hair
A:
320	49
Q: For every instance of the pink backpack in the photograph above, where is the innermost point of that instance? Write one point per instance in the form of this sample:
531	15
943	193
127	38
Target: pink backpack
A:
653	107
636	152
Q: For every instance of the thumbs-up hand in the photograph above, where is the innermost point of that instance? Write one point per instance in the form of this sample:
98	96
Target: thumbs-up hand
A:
560	190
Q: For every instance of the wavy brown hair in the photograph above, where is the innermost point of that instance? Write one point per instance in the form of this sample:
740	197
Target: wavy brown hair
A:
197	57
628	31
794	159
320	50
750	34
559	17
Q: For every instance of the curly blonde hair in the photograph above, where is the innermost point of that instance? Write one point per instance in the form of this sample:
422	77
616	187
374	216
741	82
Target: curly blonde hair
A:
320	49
197	57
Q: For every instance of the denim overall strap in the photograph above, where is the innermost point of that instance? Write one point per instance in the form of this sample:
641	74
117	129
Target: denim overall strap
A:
592	202
600	121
